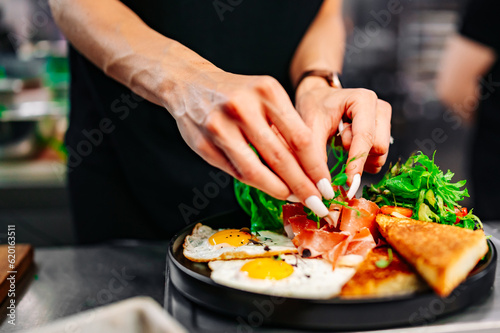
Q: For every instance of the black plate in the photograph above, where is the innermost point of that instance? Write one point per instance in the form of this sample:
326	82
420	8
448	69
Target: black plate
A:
251	309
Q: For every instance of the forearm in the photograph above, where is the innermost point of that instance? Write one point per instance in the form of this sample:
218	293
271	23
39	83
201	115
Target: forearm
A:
464	62
117	41
322	47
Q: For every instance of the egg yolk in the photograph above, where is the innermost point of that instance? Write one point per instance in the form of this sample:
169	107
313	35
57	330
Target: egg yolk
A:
267	268
231	237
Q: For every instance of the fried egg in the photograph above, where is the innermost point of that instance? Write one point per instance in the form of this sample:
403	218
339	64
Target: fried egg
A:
287	276
206	244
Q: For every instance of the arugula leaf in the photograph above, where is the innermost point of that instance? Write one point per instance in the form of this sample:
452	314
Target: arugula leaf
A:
403	187
419	184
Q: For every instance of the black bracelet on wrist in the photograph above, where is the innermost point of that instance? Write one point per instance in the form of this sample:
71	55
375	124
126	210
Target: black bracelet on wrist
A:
331	77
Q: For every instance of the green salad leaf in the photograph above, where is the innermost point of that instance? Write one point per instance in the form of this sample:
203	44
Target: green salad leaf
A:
265	211
419	184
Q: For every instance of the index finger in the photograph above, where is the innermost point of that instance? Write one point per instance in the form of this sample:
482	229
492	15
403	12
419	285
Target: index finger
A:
300	139
362	109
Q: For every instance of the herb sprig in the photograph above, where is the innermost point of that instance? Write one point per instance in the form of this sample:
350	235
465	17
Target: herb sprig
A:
382	263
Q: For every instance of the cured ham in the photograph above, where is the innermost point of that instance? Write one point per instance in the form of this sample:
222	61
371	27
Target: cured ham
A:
318	242
361	243
301	223
334	215
354	234
338	250
291	210
361	215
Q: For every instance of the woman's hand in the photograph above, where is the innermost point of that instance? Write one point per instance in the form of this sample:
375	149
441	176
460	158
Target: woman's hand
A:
219	114
367	138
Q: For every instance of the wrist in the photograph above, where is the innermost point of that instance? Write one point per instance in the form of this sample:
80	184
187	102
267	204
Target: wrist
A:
314	79
310	83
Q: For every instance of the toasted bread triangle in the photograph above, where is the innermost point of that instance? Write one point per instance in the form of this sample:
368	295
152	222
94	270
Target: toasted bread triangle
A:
442	254
398	278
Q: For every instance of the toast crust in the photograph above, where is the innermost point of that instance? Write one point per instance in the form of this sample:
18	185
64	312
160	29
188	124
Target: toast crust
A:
398	278
442	254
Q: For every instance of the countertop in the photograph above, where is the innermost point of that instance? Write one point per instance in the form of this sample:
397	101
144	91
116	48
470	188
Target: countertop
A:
69	280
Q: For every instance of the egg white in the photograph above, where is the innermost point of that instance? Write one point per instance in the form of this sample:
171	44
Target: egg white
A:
311	279
197	248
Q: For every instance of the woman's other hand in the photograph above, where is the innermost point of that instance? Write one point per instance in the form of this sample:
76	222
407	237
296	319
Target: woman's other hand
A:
368	136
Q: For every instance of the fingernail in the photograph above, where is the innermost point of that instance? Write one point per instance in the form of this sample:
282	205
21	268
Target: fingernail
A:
341	126
315	204
292	198
356	181
328	220
326	189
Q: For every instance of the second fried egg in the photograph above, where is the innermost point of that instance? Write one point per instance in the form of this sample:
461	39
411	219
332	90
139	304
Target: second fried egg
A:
287	276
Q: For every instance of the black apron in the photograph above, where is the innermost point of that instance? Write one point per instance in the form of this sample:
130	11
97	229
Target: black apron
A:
130	173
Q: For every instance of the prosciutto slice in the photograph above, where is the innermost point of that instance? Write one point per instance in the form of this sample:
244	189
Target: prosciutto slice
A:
338	250
291	210
319	242
355	233
361	215
361	243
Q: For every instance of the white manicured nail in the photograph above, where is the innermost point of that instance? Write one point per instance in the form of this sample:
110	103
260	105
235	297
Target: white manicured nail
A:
328	220
325	188
341	126
292	198
356	181
315	204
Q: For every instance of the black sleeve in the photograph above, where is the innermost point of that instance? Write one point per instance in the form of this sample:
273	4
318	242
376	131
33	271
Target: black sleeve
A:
481	22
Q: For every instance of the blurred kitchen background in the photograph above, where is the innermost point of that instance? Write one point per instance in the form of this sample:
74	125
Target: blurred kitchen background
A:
396	55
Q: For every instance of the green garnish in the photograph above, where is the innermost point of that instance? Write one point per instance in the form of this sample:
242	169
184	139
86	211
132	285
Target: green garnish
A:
266	212
419	184
382	263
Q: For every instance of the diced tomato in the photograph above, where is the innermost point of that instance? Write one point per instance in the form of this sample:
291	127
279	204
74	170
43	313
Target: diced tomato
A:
460	212
388	210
